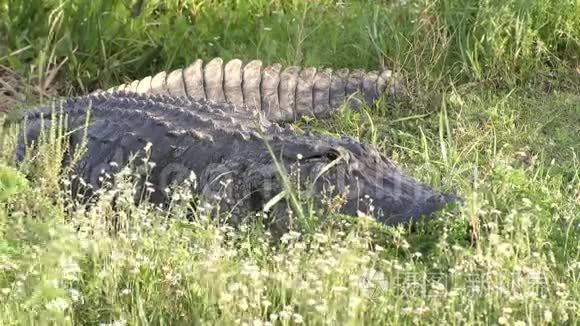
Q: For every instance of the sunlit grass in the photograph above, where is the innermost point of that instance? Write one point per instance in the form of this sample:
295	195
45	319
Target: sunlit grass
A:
100	43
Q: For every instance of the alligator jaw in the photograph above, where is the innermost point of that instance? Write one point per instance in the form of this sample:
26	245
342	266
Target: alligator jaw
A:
405	202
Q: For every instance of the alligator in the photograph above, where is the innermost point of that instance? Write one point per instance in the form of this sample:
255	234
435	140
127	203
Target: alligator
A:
283	94
237	157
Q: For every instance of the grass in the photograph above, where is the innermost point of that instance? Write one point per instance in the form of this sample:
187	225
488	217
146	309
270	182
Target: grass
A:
494	116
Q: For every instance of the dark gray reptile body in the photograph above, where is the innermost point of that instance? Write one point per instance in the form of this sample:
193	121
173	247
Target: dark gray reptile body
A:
219	143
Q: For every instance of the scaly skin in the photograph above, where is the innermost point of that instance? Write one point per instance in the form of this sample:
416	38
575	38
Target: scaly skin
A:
284	94
220	142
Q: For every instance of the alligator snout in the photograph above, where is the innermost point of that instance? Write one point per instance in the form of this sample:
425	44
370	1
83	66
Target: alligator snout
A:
394	198
393	210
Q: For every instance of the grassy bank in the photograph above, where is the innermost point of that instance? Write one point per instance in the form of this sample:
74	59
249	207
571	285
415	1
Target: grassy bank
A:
494	116
106	41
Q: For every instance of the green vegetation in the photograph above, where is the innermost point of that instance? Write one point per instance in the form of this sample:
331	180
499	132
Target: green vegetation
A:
11	183
494	115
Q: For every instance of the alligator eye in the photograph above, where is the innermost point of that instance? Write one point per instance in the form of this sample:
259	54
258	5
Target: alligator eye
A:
332	155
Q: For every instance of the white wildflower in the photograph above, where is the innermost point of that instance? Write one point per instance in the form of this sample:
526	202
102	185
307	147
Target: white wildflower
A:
547	316
243	305
75	295
284	315
121	322
250	270
266	303
298	319
70	269
320	238
57	305
321	308
505	249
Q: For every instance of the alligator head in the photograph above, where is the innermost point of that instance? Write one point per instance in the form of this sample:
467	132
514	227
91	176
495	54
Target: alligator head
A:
365	179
